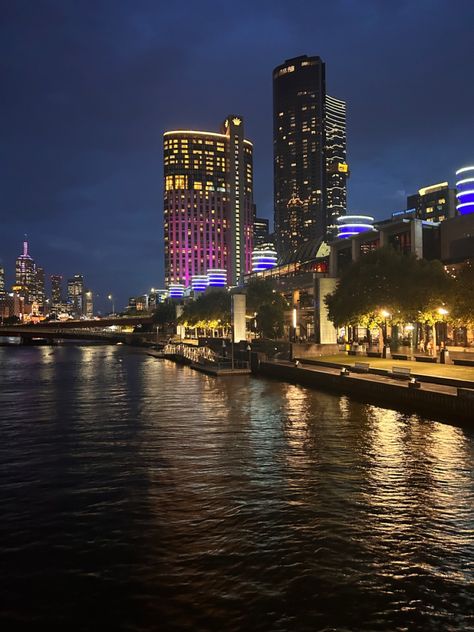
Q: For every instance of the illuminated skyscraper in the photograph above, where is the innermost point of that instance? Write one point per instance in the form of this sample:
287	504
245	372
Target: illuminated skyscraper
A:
337	170
208	199
299	100
75	295
56	291
2	280
40	295
25	275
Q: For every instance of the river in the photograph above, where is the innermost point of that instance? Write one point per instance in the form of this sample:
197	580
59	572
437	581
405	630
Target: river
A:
139	495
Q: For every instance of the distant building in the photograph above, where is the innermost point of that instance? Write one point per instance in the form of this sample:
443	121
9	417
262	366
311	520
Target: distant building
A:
260	231
337	169
25	275
75	295
433	203
208	203
2	281
138	303
40	294
56	291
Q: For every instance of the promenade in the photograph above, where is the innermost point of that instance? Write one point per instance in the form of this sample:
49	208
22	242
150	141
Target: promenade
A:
437	394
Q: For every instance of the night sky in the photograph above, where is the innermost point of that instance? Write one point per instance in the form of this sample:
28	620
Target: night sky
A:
89	86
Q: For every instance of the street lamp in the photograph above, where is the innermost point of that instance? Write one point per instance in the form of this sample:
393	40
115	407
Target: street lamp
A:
385	315
111	298
442	343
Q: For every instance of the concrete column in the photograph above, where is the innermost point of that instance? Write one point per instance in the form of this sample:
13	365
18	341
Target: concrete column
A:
238	316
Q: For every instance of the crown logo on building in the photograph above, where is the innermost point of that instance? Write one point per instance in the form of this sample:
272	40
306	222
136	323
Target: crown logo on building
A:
236	121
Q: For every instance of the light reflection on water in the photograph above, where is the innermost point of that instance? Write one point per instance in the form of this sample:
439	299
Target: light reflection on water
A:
144	496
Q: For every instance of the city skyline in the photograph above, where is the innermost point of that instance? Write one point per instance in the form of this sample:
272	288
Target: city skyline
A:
87	142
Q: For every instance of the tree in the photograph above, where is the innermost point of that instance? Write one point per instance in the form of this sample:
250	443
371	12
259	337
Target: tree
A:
209	311
267	306
463	296
386	281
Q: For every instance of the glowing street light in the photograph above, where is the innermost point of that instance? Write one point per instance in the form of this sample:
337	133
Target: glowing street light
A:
385	315
442	311
111	298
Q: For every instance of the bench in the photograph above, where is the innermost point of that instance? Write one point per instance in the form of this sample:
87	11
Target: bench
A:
460	362
401	356
400	373
360	367
426	358
374	354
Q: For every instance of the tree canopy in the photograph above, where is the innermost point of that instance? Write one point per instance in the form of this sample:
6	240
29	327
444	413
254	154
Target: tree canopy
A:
384	280
209	310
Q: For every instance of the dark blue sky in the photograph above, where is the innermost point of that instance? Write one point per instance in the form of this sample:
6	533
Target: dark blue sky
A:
88	87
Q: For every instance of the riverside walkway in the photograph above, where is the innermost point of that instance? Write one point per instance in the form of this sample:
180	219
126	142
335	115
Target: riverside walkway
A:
445	399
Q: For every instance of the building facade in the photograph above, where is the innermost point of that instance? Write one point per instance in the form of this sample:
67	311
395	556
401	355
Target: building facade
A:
261	231
337	169
2	281
433	203
75	295
208	203
40	293
25	275
299	141
56	291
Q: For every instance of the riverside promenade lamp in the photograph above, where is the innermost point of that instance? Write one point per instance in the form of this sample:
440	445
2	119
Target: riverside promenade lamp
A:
443	354
386	348
111	298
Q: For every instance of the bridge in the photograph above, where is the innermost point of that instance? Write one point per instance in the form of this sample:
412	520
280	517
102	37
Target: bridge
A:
98	330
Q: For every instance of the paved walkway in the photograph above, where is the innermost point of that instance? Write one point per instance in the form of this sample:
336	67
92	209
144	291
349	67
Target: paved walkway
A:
421	368
371	377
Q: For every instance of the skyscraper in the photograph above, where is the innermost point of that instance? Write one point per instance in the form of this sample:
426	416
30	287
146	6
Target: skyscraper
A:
337	170
2	281
56	291
208	198
75	295
25	275
40	295
299	141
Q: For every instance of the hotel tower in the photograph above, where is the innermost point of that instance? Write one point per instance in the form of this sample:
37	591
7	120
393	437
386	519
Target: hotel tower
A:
309	146
208	203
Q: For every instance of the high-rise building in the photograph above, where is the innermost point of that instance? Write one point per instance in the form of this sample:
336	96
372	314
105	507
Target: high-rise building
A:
260	231
337	169
40	294
25	275
75	295
299	141
2	280
56	291
433	203
208	200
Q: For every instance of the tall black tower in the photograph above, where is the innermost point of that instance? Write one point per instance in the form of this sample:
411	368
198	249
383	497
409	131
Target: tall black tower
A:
299	100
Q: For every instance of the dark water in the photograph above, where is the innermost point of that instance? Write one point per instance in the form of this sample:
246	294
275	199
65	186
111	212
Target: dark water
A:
138	495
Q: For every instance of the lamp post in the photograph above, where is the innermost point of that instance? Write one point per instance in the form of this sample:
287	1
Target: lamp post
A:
410	328
385	315
111	298
249	349
442	343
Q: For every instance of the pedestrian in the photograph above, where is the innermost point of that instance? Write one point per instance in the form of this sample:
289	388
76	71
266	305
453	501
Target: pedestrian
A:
422	345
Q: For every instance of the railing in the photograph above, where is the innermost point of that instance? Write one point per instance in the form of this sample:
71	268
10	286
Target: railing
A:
194	354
